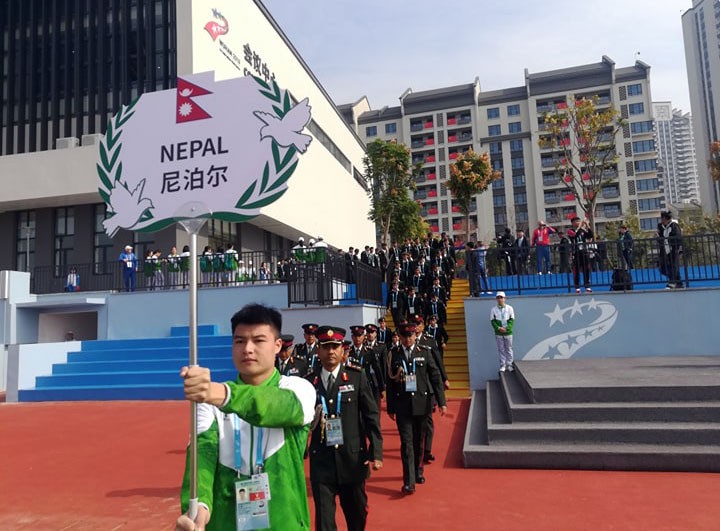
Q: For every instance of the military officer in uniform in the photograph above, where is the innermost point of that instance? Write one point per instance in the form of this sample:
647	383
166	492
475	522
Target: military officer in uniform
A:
286	363
346	442
413	378
425	339
380	349
307	351
363	355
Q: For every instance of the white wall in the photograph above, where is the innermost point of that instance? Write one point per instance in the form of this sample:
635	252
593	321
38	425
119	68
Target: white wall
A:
26	362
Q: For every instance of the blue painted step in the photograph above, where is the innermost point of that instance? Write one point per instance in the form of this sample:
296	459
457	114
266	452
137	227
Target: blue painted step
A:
178	342
202	330
90	367
133	369
156	353
125	392
102	379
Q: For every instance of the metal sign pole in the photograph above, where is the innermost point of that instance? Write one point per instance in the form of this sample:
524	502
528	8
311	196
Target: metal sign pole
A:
192	226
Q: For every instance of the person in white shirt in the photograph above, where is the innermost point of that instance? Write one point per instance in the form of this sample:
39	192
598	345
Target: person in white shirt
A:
502	318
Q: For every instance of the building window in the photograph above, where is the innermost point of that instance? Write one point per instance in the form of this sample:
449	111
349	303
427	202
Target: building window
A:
521	199
493	112
390	128
497	164
25	238
653	203
647	185
645	165
493	130
64	238
636	108
513	110
649	223
643	146
517	163
518	180
637	128
220	233
516	145
371	130
498	200
495	148
102	244
634	90
515	127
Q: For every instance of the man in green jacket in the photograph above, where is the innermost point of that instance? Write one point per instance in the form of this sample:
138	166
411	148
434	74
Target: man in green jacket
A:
252	434
502	317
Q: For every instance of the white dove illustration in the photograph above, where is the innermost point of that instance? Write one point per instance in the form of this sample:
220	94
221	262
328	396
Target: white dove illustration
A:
287	131
128	207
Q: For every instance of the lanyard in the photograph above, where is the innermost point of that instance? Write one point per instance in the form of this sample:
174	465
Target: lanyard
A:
405	365
325	408
259	459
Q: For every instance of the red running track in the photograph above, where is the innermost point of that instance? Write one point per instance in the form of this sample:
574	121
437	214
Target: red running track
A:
117	465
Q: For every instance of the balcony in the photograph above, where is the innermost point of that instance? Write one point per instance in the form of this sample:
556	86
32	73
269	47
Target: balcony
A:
432	193
428	125
553	218
465	119
455	209
453	156
569	197
570	215
429	159
416	127
611	213
434	229
433	211
552	199
457	226
452	138
610	193
551	181
431	176
451	121
429	141
417	144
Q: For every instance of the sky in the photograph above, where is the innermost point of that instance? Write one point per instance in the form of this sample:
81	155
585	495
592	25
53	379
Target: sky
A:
380	48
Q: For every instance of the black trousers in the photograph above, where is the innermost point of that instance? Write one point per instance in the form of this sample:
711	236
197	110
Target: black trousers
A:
353	501
411	429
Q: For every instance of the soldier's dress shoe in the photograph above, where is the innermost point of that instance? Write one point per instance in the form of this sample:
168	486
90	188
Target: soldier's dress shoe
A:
429	458
420	479
407	489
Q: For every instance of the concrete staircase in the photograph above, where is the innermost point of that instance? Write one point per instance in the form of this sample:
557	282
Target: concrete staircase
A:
133	369
456	361
654	413
455	356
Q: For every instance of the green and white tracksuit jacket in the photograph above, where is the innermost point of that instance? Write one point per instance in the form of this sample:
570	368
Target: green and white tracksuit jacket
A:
282	407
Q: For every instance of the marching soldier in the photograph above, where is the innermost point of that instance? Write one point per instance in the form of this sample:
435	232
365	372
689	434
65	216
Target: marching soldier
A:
340	456
380	349
413	377
307	351
363	355
428	341
286	363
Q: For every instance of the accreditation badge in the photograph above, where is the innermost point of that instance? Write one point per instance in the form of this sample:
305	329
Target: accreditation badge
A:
251	502
410	383
333	431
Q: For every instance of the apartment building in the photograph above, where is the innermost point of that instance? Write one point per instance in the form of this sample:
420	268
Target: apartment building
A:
676	153
439	124
701	33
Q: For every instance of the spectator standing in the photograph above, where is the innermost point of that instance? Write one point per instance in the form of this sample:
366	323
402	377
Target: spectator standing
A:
541	242
670	239
502	318
185	265
149	269
72	282
506	244
173	268
231	263
158	276
206	265
521	250
129	263
479	257
564	248
625	247
580	237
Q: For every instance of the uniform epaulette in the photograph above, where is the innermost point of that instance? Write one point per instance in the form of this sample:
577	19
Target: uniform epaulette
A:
419	345
353	366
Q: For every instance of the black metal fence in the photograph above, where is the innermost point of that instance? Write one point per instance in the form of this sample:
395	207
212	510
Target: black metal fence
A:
699	264
331	281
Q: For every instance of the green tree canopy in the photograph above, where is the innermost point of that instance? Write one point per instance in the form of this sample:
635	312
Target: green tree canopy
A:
471	174
582	139
390	178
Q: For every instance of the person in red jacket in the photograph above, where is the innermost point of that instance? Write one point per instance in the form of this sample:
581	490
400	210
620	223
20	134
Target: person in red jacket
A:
541	241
